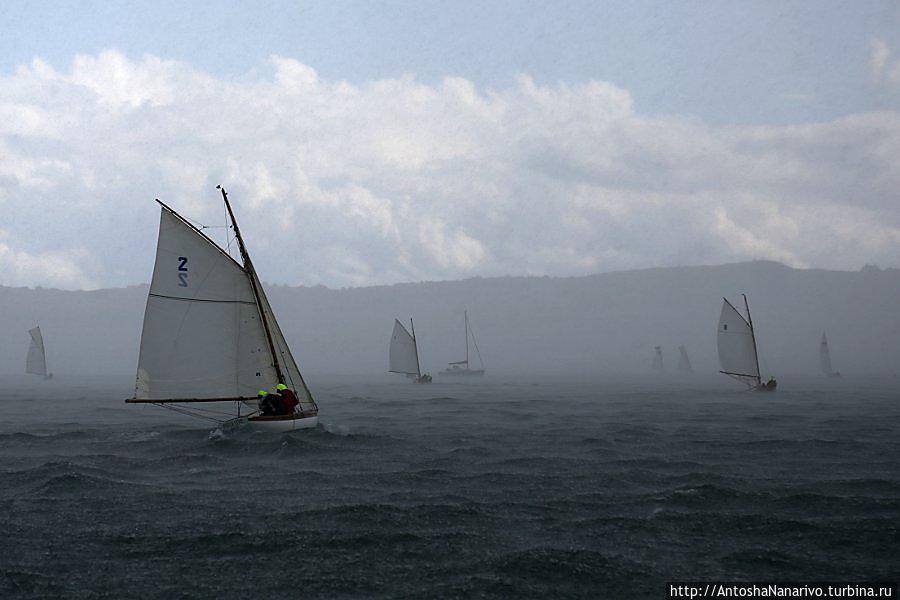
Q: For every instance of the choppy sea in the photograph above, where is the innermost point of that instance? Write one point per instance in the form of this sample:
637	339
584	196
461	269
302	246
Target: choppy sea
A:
489	488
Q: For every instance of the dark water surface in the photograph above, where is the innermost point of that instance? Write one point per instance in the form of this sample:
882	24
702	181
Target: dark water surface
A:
490	489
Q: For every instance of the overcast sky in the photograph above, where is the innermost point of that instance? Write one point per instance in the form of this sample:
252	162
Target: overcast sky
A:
377	142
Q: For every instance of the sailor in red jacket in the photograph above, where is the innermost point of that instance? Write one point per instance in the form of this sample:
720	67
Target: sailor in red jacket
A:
288	398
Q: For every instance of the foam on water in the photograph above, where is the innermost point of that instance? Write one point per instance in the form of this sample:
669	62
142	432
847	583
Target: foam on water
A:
495	488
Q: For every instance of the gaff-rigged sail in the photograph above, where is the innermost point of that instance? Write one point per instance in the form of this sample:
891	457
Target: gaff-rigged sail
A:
36	361
404	357
209	332
737	346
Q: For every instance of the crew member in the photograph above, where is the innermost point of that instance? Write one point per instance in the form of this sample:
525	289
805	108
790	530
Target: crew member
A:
288	399
265	403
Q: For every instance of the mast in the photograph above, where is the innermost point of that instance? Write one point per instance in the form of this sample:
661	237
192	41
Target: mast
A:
466	316
248	266
753	337
416	346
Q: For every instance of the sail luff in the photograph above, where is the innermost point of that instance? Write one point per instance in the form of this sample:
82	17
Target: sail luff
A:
753	336
251	273
416	347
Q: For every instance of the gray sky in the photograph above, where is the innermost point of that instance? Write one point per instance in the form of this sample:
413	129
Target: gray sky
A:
375	142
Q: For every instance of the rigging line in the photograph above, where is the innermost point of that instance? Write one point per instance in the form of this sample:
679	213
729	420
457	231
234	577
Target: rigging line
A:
474	343
189	413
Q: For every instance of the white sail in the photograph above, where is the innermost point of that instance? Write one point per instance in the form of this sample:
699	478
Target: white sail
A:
403	354
290	370
684	363
737	353
202	337
825	357
658	359
36	361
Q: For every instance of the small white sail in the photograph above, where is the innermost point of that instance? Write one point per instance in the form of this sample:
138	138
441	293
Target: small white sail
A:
684	363
36	361
202	337
737	353
825	357
658	359
403	354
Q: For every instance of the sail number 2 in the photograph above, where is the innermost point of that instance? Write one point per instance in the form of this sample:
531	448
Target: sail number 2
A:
182	271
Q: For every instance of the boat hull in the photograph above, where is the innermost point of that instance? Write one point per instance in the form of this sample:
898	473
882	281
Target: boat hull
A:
770	386
283	422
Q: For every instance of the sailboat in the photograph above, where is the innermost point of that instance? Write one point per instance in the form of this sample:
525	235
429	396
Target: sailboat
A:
404	353
210	339
825	359
738	357
657	364
684	363
36	360
461	367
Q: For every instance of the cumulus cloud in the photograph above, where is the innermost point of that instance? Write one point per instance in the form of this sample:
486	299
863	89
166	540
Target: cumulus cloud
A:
398	180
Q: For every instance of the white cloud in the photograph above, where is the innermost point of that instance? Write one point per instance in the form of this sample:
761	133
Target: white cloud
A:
47	268
390	180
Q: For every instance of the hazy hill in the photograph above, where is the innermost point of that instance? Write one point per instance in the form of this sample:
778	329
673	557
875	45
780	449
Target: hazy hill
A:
604	323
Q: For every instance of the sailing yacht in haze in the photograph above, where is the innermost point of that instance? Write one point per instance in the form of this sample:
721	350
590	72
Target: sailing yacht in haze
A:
738	357
36	360
461	367
404	353
210	335
657	364
684	363
825	359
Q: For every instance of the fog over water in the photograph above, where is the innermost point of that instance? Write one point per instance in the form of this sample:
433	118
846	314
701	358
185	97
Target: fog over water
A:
603	325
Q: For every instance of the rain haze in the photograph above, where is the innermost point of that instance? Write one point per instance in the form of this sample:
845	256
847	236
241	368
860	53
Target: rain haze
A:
560	194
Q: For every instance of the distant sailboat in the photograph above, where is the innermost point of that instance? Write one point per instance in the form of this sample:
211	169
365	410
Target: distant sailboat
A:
210	335
738	357
462	367
684	363
404	353
825	359
36	361
658	360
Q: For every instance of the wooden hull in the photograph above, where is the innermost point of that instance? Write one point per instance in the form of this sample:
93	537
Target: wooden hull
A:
767	387
284	422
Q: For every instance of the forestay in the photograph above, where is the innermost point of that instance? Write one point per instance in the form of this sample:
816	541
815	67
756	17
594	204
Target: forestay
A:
289	368
202	337
403	356
36	361
737	352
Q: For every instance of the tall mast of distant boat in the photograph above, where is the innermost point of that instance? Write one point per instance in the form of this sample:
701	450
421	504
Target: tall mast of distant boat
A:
412	328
